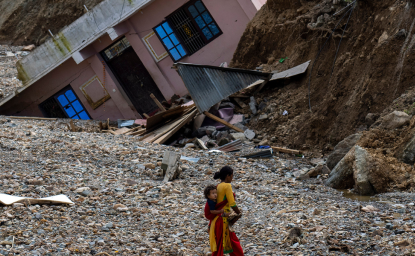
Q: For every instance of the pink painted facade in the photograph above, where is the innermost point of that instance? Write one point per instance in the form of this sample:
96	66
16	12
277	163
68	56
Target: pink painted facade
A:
231	16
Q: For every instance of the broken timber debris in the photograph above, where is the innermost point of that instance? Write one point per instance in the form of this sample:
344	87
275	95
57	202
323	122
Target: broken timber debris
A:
286	150
220	120
261	154
158	103
232	146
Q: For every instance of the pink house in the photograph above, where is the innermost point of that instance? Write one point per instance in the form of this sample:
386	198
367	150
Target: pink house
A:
108	62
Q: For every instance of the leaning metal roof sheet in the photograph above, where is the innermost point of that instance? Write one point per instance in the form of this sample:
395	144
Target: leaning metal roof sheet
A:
208	85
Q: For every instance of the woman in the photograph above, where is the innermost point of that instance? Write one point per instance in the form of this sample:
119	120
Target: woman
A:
223	241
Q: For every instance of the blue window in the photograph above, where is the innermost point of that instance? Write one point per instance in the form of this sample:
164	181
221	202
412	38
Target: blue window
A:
170	41
204	20
187	30
71	105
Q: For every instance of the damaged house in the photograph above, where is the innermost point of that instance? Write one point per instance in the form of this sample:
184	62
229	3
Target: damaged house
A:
108	62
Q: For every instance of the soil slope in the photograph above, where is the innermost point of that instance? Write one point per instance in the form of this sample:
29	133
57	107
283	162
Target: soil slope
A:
373	66
25	22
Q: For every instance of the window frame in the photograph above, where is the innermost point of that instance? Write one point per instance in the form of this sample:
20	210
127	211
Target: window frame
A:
176	34
179	38
62	92
186	9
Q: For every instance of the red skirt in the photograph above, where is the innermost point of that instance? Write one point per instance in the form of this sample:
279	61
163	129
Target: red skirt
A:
236	245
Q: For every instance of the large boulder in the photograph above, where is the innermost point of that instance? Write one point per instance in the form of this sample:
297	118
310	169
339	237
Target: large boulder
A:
406	153
367	173
342	149
394	120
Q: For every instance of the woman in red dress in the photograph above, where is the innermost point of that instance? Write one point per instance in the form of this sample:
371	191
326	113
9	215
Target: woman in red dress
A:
222	240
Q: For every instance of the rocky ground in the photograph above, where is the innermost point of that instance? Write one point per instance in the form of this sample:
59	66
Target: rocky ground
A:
123	208
9	55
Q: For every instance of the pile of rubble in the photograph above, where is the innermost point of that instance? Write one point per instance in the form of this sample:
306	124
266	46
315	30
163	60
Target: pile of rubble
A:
9	55
123	206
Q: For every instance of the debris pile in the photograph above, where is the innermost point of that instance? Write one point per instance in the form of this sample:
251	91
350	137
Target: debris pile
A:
122	206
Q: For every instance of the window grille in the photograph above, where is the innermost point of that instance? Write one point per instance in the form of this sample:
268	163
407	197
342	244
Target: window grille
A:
191	26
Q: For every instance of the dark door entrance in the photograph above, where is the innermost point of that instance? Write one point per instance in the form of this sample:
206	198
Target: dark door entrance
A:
132	75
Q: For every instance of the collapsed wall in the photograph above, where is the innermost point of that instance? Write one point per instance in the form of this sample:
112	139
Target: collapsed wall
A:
373	66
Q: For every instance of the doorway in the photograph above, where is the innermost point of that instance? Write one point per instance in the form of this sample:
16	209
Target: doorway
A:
132	75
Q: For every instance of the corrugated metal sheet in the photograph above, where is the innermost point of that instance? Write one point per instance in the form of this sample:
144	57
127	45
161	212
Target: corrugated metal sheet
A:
208	85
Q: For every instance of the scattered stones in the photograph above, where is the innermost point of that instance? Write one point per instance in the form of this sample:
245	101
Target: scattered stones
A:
151	165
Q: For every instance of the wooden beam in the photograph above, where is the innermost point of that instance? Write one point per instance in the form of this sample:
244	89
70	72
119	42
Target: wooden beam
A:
146	116
161	107
217	119
31	118
286	150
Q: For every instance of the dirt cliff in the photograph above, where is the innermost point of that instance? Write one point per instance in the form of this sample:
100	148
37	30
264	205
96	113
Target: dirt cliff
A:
372	69
25	22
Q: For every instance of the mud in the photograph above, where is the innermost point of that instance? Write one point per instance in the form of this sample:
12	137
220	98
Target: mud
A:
373	68
24	22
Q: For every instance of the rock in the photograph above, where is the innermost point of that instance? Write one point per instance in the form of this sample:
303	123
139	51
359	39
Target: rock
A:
85	191
29	48
394	120
341	149
238	136
316	211
383	38
249	134
189	145
131	182
406	152
35	182
402	243
223	141
369	208
371	119
401	34
151	166
120	208
252	105
359	169
210	130
263	117
318	170
273	139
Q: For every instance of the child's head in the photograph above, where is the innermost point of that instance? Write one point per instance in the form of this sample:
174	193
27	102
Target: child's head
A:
211	193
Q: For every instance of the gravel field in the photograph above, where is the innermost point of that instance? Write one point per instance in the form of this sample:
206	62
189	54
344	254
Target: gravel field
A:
123	208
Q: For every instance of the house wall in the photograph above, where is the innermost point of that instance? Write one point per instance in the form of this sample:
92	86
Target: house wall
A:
69	73
232	16
232	23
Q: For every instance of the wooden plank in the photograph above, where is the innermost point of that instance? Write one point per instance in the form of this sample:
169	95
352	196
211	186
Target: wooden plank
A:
122	131
286	150
169	128
220	120
163	116
31	118
170	133
146	116
260	87
158	102
137	133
